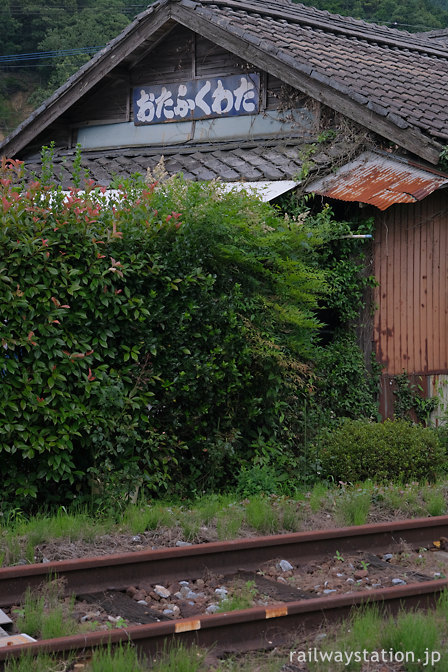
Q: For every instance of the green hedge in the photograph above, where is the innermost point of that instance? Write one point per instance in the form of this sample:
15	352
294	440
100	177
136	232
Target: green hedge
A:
394	450
147	341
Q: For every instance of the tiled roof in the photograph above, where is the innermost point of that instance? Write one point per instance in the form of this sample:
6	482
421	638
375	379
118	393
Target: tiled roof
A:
272	160
393	82
440	35
392	72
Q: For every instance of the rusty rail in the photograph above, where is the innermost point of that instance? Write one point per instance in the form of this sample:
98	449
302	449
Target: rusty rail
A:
247	629
118	571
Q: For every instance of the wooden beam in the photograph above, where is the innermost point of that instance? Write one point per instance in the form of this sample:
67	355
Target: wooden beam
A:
409	138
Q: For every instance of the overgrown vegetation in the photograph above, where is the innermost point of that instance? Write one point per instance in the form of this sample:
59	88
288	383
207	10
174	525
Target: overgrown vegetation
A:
23	538
117	659
410	402
39	663
45	614
161	340
413	639
241	597
169	341
342	384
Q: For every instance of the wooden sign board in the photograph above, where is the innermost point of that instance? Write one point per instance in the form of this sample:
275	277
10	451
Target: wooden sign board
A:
197	99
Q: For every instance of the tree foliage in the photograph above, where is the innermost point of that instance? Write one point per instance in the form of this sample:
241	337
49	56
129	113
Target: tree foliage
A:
411	15
28	27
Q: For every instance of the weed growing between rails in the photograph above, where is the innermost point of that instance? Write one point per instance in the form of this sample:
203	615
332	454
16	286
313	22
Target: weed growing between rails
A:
45	614
241	597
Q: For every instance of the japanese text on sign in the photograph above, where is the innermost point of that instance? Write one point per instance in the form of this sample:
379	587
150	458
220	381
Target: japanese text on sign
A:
197	99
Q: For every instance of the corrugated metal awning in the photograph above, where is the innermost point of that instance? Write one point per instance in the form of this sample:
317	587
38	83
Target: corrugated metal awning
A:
380	180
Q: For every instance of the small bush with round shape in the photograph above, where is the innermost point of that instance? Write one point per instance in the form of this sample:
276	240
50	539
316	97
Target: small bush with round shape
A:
394	450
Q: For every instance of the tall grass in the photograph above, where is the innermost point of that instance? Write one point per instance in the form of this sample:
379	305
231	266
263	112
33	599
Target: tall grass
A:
317	496
119	659
435	501
261	516
289	516
44	613
353	508
412	632
229	522
177	658
40	663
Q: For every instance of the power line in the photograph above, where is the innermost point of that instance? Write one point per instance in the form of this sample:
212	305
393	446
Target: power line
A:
39	55
409	25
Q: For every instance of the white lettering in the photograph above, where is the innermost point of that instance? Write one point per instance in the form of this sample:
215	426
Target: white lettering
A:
183	106
199	100
145	106
164	102
243	94
221	95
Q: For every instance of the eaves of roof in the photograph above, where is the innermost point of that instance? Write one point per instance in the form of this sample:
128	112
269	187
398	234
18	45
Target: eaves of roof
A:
256	161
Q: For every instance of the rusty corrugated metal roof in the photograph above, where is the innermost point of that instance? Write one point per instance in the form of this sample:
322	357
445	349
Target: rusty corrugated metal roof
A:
379	180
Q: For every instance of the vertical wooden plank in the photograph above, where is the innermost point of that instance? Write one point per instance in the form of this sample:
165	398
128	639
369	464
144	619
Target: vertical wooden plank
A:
430	303
396	289
380	270
417	303
443	287
389	326
409	281
378	290
400	289
434	360
423	226
194	56
396	315
386	292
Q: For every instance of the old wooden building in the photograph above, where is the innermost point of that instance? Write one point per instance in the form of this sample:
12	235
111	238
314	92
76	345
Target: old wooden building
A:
240	91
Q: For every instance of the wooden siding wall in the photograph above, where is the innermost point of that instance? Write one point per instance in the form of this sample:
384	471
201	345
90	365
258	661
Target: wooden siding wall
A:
108	101
182	55
411	319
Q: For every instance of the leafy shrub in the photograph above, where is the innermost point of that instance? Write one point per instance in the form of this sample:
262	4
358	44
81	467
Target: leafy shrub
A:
257	479
154	340
345	387
410	401
342	385
392	450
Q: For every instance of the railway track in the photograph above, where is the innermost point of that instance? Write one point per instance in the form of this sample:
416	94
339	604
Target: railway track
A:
254	628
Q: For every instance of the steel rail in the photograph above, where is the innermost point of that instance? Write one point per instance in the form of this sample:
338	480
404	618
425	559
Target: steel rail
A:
248	629
119	571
